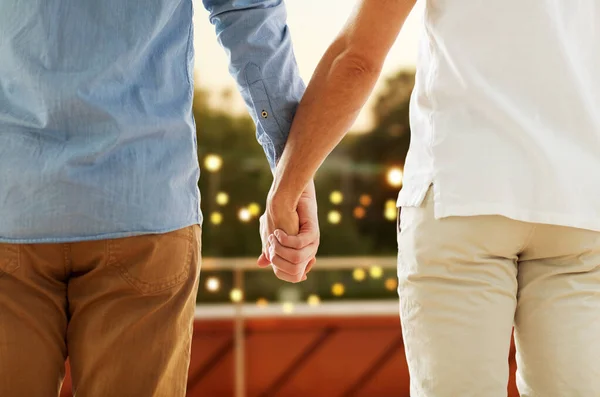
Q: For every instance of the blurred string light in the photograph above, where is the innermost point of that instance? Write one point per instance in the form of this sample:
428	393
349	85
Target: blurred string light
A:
213	162
216	218
336	197
359	274
394	177
213	284
244	215
365	200
376	272
391	284
359	212
334	217
288	307
222	198
262	303
254	209
390	213
314	300
236	295
338	289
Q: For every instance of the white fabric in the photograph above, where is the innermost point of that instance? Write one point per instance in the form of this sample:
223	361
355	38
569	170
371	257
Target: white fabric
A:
506	111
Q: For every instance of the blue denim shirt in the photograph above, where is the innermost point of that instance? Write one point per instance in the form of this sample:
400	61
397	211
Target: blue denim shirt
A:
97	135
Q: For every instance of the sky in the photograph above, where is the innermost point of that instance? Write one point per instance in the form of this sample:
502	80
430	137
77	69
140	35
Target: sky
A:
313	25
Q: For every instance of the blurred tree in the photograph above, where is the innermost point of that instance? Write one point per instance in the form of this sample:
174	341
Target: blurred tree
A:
246	178
375	152
357	167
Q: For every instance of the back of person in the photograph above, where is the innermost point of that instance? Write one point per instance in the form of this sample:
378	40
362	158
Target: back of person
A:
499	228
500	216
97	137
506	111
100	232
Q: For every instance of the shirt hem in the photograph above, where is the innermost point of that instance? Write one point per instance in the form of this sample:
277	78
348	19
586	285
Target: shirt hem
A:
522	215
103	236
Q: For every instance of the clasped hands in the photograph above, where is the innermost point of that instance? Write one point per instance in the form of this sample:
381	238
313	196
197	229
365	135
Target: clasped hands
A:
290	235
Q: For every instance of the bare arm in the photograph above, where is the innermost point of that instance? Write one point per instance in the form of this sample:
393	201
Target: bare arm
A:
338	90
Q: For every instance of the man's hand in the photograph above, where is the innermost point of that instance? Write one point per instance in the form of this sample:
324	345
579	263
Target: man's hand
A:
290	235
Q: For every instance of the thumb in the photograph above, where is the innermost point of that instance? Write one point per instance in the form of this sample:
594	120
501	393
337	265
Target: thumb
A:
263	261
290	224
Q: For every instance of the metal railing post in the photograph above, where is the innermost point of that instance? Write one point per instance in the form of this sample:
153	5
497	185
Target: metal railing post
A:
239	338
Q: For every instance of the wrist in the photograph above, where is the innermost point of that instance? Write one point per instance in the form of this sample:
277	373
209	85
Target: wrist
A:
282	198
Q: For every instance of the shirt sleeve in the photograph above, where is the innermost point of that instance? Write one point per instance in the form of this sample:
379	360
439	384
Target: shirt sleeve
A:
255	35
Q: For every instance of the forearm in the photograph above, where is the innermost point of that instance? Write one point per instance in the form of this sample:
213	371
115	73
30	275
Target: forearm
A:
338	90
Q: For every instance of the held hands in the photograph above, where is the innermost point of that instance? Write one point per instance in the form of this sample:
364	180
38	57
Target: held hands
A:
290	235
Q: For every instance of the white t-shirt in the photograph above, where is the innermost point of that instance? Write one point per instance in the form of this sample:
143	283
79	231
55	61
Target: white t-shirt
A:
505	114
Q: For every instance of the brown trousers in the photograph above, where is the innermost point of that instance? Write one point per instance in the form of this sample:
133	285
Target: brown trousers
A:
122	310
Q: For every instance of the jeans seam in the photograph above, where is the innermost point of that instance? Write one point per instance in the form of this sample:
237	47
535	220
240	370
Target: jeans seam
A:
67	262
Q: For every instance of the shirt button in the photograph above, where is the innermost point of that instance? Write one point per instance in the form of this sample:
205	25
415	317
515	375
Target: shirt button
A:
264	114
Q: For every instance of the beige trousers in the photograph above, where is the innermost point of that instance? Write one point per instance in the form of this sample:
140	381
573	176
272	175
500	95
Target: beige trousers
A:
122	310
464	282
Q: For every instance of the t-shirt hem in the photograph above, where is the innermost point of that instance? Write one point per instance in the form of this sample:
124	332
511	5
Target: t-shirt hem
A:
582	221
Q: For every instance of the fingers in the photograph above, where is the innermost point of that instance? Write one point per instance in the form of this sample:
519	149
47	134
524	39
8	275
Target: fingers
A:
287	271
294	278
263	261
302	240
294	256
296	270
309	267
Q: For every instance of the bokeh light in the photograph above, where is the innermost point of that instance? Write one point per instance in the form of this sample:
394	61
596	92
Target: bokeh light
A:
390	213
288	307
254	209
359	274
222	198
216	218
365	200
394	177
213	284
262	303
244	215
359	212
391	284
376	272
338	289
236	295
334	217
336	197
213	162
314	300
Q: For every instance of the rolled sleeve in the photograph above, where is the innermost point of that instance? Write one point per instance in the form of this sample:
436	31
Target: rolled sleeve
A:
255	35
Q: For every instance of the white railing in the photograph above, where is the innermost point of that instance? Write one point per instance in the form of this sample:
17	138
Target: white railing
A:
328	263
324	309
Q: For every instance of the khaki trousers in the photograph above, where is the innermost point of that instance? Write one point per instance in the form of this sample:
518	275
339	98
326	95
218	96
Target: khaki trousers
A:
122	310
464	282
